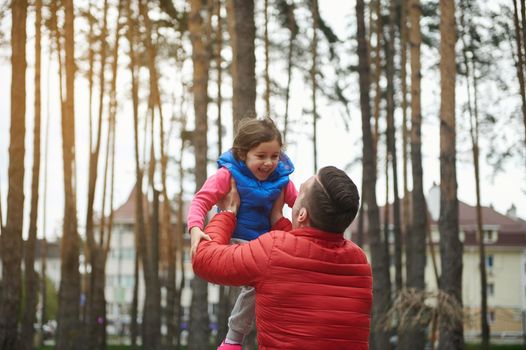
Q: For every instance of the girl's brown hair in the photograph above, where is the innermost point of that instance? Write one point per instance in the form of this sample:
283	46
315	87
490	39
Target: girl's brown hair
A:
252	132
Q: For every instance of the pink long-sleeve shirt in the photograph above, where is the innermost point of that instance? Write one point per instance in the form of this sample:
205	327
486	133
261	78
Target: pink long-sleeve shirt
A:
215	188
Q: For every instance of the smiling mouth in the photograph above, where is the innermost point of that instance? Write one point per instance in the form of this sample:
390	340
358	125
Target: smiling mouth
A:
264	173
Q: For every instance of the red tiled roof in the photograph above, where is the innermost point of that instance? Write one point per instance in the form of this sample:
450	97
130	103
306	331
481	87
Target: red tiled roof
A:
468	219
126	212
511	232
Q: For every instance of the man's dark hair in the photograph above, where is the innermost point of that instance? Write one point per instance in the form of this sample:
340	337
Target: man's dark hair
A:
333	200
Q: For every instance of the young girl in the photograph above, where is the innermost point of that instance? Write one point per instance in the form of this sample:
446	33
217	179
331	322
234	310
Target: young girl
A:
261	172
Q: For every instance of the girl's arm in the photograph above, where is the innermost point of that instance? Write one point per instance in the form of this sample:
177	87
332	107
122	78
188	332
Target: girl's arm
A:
212	191
214	188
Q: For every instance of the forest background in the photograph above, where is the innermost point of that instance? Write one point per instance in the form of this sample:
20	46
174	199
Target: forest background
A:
133	93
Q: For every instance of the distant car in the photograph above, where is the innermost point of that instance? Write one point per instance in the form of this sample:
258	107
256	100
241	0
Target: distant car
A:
49	330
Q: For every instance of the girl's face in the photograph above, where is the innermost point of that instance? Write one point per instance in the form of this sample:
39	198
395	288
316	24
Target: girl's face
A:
263	159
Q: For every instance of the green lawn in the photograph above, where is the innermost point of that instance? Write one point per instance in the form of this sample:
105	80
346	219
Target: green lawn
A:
110	347
468	347
496	347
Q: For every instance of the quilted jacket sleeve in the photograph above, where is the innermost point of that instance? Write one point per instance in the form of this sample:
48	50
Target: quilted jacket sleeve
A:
237	264
282	224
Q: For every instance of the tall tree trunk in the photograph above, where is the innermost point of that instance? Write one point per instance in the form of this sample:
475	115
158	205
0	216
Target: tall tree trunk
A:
152	333
113	109
520	62
451	335
404	37
223	305
199	330
94	153
267	48
414	337
139	227
386	225
43	254
391	143
242	30
470	72
484	324
98	306
91	59
379	339
168	235
375	6
219	68
11	244
95	321
99	278
29	317
134	327
293	28
68	331
180	232
377	71
224	308
313	71
152	305
523	27
42	287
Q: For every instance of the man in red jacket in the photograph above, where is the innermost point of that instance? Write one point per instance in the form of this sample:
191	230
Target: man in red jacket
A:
313	287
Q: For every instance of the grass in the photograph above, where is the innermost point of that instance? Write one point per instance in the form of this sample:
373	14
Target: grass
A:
468	347
110	347
496	347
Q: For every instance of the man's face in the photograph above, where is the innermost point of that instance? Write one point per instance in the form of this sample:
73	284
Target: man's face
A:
299	210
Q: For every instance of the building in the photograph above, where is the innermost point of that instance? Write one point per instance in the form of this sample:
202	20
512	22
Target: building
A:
120	265
505	247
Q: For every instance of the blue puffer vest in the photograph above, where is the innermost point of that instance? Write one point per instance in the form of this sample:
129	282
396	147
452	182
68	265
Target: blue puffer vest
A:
257	197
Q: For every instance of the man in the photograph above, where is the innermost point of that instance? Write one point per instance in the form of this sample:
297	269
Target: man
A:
313	287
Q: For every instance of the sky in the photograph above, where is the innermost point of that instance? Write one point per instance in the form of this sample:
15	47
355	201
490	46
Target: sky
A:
336	145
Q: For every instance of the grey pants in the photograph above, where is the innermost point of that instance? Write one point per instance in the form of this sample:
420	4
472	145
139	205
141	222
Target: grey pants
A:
244	311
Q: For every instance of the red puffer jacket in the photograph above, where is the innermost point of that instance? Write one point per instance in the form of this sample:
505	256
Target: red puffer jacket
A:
313	288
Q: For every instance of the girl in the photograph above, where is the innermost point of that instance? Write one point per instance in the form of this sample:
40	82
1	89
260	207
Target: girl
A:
261	172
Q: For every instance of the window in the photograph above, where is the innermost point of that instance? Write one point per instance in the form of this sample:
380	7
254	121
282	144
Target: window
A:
491	289
490	236
489	262
109	280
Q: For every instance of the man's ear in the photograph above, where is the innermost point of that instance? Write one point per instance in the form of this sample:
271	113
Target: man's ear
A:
303	216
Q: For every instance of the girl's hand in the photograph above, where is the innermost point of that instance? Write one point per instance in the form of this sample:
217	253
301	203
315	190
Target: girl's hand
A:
196	235
230	202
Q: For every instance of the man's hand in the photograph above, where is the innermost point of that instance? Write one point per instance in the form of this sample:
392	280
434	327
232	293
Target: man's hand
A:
196	235
277	209
231	201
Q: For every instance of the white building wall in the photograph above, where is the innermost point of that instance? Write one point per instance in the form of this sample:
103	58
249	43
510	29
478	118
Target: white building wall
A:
52	270
507	276
523	279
